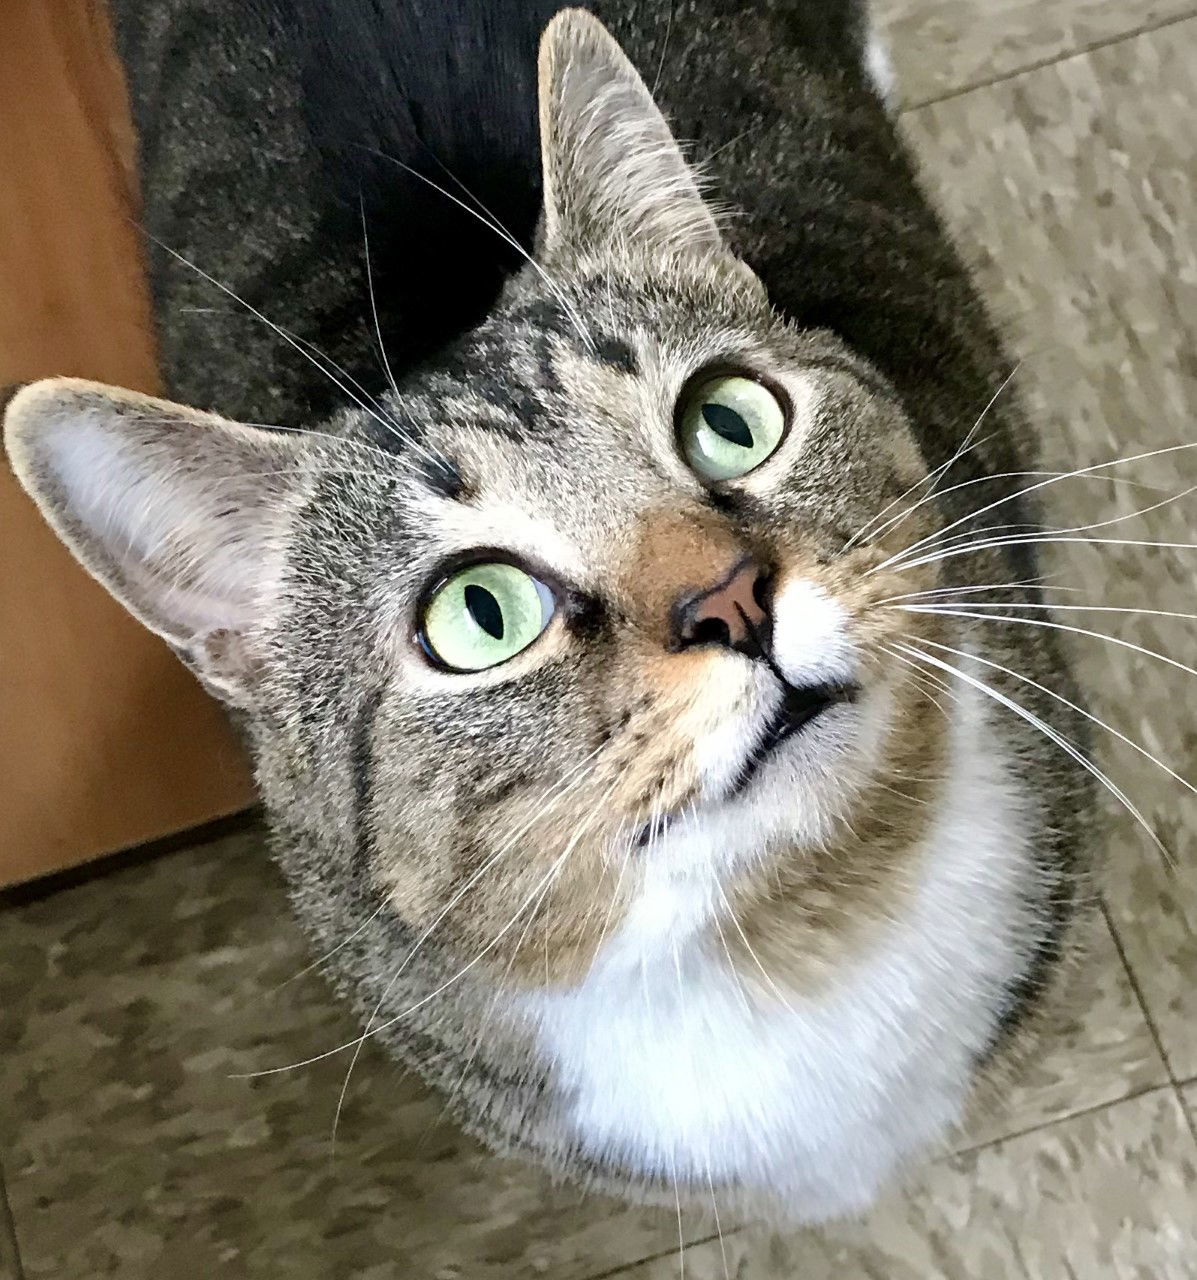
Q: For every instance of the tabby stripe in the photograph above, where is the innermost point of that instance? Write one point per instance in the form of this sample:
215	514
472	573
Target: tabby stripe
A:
361	769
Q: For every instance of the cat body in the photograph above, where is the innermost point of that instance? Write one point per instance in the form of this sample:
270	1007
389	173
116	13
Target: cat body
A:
738	878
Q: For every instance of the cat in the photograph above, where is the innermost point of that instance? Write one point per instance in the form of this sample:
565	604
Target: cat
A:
571	608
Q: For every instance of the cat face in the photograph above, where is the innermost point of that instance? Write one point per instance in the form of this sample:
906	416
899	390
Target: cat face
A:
583	604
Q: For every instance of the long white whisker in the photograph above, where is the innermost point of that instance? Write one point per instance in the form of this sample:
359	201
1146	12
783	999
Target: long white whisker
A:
1069	748
1069	608
1054	626
755	958
1042	484
1012	475
933	477
504	848
1059	697
291	340
681	1238
1040	582
382	350
1035	540
964	539
930	478
328	955
504	235
490	946
718	1227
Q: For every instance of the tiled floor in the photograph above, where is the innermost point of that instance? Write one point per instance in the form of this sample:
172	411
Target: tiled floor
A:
1061	137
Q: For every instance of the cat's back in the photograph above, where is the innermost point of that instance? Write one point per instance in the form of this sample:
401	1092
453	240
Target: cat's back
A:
276	137
279	137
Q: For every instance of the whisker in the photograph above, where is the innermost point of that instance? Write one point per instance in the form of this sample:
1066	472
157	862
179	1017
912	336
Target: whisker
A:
287	337
328	955
1072	608
1040	583
681	1237
929	478
966	446
623	866
963	538
382	350
1054	626
718	1227
488	1013
731	964
1059	697
549	875
348	441
420	941
1042	484
1069	748
755	958
504	235
664	48
990	544
427	933
545	881
1013	475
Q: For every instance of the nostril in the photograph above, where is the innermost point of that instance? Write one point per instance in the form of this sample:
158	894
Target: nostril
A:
711	631
762	590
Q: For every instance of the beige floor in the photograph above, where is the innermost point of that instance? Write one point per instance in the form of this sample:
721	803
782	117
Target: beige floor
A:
1061	138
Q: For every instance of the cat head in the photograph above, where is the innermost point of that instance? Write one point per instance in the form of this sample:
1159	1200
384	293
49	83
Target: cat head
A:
580	605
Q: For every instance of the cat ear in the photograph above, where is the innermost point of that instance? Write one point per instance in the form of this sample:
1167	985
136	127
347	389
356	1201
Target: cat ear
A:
177	513
612	170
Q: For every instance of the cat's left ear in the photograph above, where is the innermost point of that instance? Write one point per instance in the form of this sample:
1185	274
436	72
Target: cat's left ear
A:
180	514
612	170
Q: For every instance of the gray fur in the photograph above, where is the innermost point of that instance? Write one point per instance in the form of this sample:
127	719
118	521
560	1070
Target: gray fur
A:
381	778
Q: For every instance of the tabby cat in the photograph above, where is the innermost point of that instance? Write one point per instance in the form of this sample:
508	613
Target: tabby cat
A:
563	600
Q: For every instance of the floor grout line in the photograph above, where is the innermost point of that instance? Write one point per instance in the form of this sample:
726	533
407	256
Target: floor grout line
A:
625	1267
1040	64
1170	1083
10	1251
1133	1096
1133	979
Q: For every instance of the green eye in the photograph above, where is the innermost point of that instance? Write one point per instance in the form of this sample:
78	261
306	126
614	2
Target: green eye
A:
483	615
729	425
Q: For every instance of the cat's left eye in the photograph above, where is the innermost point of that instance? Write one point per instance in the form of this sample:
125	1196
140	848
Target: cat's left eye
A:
728	426
484	614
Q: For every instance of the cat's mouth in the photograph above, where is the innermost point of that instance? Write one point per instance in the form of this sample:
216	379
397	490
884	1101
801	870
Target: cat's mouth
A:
800	706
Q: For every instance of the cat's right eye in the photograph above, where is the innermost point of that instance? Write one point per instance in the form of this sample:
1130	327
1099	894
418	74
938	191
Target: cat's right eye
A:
728	426
483	615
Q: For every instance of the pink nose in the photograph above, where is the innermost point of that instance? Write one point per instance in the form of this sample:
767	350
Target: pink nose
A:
733	613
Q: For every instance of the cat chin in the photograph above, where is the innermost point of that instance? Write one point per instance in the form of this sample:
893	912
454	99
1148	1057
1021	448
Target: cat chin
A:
672	1063
795	799
797	793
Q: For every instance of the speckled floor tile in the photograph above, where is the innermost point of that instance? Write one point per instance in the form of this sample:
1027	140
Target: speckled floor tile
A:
10	1265
1188	1095
1071	190
942	46
1099	1050
1106	1196
133	1000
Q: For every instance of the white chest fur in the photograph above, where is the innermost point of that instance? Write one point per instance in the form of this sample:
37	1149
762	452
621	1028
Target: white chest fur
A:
670	1067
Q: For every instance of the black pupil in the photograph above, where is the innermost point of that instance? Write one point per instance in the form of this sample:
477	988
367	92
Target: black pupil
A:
728	424
485	610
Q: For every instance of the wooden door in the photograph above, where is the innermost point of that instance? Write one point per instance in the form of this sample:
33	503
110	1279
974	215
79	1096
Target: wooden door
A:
105	740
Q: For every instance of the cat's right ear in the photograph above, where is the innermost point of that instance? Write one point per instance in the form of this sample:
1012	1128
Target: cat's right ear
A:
612	170
179	514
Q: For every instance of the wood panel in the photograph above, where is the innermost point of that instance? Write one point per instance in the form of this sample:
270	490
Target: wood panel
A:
105	740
